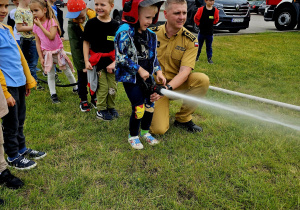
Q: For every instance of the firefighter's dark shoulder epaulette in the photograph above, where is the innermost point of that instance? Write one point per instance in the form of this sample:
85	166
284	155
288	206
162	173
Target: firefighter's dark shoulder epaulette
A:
188	34
155	28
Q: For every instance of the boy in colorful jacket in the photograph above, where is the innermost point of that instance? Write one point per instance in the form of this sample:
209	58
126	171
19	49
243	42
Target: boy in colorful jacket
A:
136	62
79	15
205	18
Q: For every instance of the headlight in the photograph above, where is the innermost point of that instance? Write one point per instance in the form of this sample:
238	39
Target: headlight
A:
218	6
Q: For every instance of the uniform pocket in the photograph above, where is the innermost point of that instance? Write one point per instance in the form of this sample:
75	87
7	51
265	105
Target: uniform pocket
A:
177	56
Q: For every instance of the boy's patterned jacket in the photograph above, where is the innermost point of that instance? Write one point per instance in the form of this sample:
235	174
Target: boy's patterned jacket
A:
126	56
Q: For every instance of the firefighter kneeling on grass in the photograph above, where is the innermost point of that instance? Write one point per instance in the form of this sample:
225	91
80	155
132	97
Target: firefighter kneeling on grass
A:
176	53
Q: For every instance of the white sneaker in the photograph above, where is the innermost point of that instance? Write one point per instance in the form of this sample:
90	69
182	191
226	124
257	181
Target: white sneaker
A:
135	142
150	139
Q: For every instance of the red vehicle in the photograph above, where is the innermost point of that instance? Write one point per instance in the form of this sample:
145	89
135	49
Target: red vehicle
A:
285	13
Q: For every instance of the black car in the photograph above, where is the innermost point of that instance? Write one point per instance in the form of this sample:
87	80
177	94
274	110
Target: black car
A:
254	5
262	8
59	3
234	14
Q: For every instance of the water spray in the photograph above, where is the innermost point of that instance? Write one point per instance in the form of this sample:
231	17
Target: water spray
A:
264	100
175	95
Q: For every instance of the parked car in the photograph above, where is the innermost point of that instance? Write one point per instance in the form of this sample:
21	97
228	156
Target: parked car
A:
234	14
262	8
254	5
59	3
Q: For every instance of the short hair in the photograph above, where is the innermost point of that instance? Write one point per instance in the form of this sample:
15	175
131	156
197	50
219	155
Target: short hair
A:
168	2
154	7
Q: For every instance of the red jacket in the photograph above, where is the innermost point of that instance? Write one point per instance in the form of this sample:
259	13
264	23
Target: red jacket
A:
198	16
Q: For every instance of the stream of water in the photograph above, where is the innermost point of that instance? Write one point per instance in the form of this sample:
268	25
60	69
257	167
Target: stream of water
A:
253	114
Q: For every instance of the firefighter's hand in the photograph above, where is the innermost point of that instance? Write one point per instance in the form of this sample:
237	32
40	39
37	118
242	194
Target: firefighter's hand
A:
10	101
155	97
160	78
143	73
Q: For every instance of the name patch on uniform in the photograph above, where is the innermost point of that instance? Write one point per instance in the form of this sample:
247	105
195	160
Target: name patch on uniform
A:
211	17
180	48
110	38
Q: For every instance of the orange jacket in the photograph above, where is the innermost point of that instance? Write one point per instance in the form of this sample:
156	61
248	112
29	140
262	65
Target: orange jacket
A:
199	13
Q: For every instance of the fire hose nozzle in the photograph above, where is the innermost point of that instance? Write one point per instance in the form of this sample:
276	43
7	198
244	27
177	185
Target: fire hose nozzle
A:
157	89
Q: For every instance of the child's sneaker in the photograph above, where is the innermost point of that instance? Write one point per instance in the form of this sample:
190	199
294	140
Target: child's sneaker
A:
84	106
21	163
94	103
104	115
57	80
135	143
10	180
150	139
75	91
33	154
113	112
54	99
39	86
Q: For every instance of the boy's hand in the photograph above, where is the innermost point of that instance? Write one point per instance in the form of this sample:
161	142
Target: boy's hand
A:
84	70
155	97
111	68
88	65
62	39
160	78
27	93
37	22
10	101
143	73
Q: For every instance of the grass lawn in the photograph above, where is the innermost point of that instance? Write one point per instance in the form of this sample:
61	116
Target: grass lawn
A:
236	163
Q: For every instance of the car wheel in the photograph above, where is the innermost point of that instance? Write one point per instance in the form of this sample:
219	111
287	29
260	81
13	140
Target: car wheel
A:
195	28
286	19
234	30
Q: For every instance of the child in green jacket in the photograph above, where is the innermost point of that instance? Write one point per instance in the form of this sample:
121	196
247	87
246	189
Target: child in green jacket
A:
79	15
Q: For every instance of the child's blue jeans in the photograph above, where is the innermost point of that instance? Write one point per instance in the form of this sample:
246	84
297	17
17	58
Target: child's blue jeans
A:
28	47
208	41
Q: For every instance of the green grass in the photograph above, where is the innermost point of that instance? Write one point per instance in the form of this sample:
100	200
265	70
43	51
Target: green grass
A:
236	163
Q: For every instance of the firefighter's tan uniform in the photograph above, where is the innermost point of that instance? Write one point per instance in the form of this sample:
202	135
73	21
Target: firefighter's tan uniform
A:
172	53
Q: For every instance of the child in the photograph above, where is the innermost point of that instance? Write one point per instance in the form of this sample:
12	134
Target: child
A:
59	15
5	176
99	33
79	15
135	61
11	20
205	18
24	25
49	44
16	82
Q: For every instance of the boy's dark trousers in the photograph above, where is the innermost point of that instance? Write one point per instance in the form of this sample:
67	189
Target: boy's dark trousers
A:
28	47
208	41
137	98
82	85
13	123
